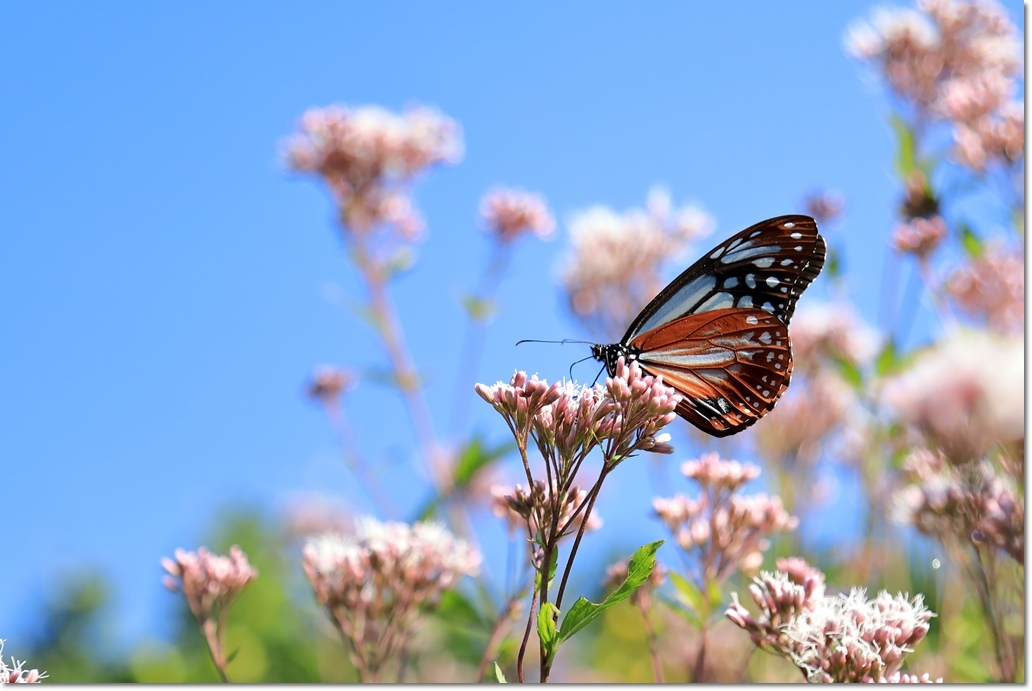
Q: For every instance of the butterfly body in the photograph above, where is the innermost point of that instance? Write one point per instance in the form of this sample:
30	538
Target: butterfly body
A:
719	332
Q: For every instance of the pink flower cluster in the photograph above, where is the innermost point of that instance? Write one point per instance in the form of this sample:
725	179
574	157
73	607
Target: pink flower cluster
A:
16	672
567	421
824	332
957	60
723	530
919	236
536	507
992	287
832	638
975	504
373	581
328	383
825	206
366	156
616	262
965	395
209	582
509	213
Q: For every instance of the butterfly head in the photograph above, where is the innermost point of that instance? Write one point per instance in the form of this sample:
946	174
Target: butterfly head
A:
609	354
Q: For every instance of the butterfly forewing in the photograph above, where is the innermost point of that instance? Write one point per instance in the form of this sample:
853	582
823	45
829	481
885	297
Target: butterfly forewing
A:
730	365
766	266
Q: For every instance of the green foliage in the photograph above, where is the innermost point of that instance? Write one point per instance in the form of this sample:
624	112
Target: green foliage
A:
584	612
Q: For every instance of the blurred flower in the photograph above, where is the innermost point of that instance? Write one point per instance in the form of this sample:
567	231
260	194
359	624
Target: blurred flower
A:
374	581
956	60
823	332
804	418
832	638
920	237
615	266
509	213
722	530
16	672
977	505
616	574
992	287
311	513
328	383
209	582
965	394
825	206
535	508
366	156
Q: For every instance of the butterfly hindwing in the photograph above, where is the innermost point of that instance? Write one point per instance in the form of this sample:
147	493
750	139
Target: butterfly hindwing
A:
730	365
766	266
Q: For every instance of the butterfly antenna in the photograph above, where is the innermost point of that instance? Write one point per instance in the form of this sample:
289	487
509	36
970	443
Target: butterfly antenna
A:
562	342
598	375
577	363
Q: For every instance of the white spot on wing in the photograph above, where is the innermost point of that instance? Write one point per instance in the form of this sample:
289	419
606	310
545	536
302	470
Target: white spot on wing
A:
790	225
795	236
750	280
716	302
772	281
745	301
731	282
765	338
751	319
764	263
748	252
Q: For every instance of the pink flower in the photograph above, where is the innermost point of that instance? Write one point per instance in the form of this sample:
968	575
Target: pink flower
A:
366	157
536	508
615	266
991	287
328	383
721	530
374	581
824	205
16	672
965	394
832	638
920	237
511	213
209	582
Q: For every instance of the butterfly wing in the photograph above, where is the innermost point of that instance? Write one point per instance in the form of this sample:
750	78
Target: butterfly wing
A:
730	365
766	266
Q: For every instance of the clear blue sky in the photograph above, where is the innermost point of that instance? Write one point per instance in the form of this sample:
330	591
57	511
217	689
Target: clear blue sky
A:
164	280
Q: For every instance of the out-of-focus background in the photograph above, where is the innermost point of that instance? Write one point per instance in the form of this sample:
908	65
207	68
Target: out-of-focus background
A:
169	284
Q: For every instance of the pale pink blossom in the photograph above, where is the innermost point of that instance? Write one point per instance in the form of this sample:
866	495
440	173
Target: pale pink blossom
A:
209	582
722	530
373	582
367	157
536	507
991	287
824	331
825	206
15	673
616	260
965	394
329	382
919	236
832	638
510	213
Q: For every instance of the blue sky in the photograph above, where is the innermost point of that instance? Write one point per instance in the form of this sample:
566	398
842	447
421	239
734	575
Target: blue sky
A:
165	281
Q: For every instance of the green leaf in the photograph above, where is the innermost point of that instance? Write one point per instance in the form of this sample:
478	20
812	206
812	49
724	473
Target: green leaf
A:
475	456
232	656
584	612
478	309
850	372
887	362
970	242
498	676
455	609
546	630
905	158
554	561
833	265
690	596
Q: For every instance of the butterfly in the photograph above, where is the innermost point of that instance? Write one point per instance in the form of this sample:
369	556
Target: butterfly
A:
718	333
